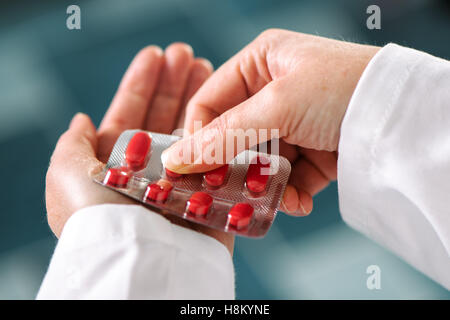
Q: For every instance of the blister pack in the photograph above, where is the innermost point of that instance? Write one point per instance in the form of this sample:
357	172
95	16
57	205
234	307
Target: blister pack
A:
241	197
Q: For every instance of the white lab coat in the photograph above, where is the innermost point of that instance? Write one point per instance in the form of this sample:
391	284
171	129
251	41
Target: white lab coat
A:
393	180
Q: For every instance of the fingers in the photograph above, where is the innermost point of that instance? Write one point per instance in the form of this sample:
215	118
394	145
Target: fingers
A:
311	173
200	71
288	151
168	97
296	202
254	121
130	104
80	139
324	161
305	176
305	181
234	82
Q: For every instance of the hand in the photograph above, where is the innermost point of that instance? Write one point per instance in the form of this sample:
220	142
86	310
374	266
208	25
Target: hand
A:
297	83
152	96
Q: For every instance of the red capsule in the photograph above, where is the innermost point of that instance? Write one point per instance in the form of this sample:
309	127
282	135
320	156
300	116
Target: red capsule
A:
256	182
158	191
116	177
199	203
216	177
240	215
138	150
172	174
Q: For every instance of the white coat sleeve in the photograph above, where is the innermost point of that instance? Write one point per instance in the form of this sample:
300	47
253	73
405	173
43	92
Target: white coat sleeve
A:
394	158
128	252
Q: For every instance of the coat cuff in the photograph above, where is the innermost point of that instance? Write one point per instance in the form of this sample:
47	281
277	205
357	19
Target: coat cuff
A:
129	252
373	101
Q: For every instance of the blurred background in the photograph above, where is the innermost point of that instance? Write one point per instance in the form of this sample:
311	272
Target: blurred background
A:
48	73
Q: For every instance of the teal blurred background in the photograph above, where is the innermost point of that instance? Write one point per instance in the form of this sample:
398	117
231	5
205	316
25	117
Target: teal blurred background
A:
48	73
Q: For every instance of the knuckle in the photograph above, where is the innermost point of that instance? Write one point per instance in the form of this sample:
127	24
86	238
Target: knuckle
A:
225	121
195	110
119	124
219	125
276	106
272	93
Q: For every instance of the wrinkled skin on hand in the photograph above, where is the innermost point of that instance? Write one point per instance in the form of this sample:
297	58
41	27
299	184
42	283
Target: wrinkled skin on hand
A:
152	96
297	83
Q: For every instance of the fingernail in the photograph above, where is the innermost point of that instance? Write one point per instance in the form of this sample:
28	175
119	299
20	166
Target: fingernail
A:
283	206
171	160
289	199
164	158
302	208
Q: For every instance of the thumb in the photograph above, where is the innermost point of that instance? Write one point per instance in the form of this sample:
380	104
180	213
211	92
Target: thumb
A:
242	127
80	139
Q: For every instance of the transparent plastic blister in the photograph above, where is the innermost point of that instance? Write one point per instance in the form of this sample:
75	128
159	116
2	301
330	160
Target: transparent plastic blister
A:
229	200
